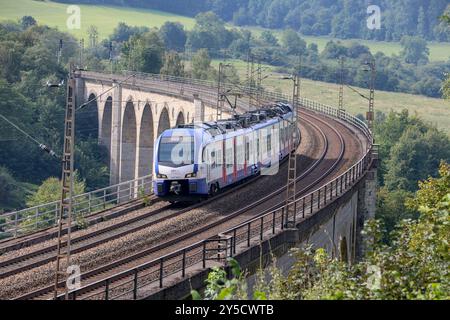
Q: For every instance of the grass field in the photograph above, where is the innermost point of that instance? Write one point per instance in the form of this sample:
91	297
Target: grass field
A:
438	51
436	111
105	18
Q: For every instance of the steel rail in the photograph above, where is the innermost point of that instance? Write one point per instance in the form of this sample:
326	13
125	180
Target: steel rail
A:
139	255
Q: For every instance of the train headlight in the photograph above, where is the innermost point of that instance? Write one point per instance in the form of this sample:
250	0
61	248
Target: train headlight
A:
191	175
161	176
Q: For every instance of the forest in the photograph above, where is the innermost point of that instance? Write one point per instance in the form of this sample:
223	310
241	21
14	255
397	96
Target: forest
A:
338	18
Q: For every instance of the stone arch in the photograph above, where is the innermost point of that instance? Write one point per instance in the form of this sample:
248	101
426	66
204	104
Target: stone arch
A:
343	250
128	149
106	126
87	120
164	121
180	118
146	141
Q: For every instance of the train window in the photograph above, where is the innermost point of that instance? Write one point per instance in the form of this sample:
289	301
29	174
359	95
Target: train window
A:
176	151
269	143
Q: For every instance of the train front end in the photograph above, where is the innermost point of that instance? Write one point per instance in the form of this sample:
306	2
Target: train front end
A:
178	174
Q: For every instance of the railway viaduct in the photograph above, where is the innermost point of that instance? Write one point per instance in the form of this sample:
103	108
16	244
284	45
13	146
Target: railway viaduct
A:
137	109
133	113
130	110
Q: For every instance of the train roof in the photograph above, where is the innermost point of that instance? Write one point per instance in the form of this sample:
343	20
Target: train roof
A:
242	121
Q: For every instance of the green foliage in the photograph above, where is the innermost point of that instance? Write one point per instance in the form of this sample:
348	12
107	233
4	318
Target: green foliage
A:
173	65
268	38
414	266
27	21
218	287
209	32
392	208
123	32
11	192
341	18
416	156
173	35
292	42
143	52
201	66
50	190
446	88
415	50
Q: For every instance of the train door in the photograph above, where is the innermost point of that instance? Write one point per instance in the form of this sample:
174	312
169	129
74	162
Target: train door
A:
240	155
229	159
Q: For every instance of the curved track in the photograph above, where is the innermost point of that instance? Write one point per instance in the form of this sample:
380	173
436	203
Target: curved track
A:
332	158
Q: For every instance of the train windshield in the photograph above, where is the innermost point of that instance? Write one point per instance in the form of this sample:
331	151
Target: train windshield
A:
176	151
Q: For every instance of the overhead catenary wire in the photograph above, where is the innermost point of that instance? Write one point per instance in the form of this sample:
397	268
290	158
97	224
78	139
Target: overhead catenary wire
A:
42	146
105	92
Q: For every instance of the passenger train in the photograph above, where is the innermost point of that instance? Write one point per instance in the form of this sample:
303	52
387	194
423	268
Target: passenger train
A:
197	160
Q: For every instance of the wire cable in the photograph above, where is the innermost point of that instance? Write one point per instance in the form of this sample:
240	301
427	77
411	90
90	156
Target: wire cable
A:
42	146
106	91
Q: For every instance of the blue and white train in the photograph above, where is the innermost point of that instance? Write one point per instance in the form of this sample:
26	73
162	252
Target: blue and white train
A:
195	161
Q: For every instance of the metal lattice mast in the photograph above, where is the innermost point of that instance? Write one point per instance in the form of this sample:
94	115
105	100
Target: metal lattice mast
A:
81	52
65	211
370	113
258	84
250	78
220	95
341	109
291	190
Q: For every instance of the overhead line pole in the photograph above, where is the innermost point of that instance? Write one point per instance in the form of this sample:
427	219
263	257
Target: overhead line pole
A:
370	113
291	188
67	183
341	109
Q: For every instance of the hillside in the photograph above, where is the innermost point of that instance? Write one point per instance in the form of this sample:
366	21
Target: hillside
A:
106	18
435	111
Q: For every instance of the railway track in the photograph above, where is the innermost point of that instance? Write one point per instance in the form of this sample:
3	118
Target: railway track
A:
146	254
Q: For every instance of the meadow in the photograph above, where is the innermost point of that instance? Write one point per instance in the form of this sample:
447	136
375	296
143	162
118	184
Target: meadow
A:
106	19
438	51
435	111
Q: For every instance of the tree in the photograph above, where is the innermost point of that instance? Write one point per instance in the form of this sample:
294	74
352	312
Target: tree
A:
173	35
11	192
50	190
123	32
27	21
209	32
414	50
292	42
334	50
173	66
201	66
143	53
268	38
416	156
